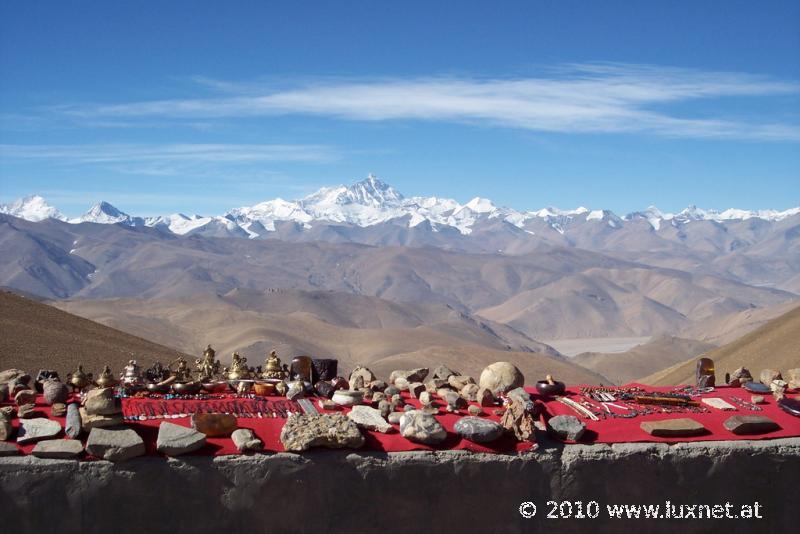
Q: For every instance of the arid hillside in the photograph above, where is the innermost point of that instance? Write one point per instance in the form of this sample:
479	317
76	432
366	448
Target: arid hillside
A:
37	336
774	345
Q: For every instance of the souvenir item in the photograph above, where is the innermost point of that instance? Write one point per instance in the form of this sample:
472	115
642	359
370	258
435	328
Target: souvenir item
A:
756	387
157	374
78	379
131	377
208	368
272	368
672	428
704	373
550	387
301	368
791	406
42	376
323	369
106	378
238	369
719	404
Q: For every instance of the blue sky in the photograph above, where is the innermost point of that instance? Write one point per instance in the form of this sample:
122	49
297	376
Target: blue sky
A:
160	107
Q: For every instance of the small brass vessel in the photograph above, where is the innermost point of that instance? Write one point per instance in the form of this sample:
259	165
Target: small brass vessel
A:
79	379
273	369
106	378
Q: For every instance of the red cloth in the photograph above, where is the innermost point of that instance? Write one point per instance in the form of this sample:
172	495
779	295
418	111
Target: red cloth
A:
604	431
613	430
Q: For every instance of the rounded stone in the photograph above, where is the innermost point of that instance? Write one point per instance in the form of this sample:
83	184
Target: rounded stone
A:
478	430
501	377
422	428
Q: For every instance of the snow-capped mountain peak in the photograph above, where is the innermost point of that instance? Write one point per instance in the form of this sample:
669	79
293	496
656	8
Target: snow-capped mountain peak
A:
372	202
104	213
32	208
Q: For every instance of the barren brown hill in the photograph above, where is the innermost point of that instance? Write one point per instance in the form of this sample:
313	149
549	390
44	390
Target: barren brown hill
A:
624	367
37	336
773	345
352	328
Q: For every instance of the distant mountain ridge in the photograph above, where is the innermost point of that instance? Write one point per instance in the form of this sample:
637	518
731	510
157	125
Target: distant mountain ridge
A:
372	202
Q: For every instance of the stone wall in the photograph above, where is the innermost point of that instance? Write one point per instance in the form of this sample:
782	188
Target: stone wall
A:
340	491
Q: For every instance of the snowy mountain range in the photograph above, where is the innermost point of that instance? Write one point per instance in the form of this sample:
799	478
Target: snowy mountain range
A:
372	202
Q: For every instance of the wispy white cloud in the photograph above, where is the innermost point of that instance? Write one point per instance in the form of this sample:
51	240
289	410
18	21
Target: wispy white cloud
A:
582	98
197	159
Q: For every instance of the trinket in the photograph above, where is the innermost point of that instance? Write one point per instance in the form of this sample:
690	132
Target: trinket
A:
273	369
208	368
301	368
131	377
78	380
238	369
704	373
106	378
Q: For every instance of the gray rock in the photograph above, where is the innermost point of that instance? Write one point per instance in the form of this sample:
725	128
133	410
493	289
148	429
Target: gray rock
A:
8	449
430	409
443	372
474	410
402	383
296	390
88	421
414	375
245	440
59	409
470	392
459	381
102	402
435	384
369	418
31	430
422	428
390	391
394	417
55	391
174	440
7	412
566	427
408	408
377	385
425	398
385	407
114	445
26	411
9	375
416	389
334	431
26	396
3	392
478	430
454	400
750	424
678	427
360	377
501	377
73	425
61	449
6	429
768	375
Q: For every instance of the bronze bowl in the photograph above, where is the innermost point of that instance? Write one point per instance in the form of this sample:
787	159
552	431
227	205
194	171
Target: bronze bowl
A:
218	386
547	389
186	388
158	388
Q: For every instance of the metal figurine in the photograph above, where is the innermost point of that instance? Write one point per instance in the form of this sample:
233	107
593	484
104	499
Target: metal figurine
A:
106	378
273	369
131	376
238	369
208	369
78	380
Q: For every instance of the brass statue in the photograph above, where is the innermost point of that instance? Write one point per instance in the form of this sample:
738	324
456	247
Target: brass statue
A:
209	367
78	379
182	373
106	378
272	368
238	369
